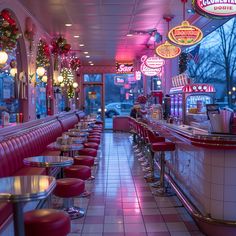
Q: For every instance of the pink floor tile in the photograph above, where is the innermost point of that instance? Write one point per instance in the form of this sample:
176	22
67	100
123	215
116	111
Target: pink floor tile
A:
172	217
113	228
94	220
133	219
132	212
153	218
134	228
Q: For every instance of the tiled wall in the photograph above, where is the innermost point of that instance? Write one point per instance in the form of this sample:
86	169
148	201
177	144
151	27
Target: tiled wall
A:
207	176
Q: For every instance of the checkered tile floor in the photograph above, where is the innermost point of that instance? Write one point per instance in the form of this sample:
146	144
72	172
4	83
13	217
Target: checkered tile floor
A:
121	202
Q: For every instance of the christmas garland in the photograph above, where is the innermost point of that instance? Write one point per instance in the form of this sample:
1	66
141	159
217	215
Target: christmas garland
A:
43	54
9	33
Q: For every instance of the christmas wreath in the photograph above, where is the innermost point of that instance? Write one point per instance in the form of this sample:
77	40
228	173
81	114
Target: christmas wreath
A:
60	46
9	33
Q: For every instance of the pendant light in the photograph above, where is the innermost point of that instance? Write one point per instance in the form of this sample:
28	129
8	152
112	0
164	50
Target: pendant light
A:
167	50
3	57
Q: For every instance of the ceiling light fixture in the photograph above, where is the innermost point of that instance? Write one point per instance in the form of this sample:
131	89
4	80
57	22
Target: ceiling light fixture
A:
81	45
87	56
76	36
129	35
85	52
68	25
91	64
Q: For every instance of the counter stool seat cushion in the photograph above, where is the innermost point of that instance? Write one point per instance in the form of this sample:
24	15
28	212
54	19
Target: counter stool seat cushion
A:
88	152
94	140
94	136
163	146
69	187
91	145
78	171
52	147
95	133
46	222
84	160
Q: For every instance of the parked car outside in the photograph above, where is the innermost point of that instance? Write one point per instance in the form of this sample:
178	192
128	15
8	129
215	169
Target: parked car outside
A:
117	108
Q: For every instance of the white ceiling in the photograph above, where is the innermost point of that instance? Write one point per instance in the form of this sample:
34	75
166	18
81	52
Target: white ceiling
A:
103	24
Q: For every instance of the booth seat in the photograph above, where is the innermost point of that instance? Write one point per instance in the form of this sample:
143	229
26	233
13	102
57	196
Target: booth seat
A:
31	141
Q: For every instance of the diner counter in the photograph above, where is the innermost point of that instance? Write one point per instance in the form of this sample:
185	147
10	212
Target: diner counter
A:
204	167
197	136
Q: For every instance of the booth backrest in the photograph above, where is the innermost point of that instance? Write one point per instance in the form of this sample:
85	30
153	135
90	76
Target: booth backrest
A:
29	142
68	122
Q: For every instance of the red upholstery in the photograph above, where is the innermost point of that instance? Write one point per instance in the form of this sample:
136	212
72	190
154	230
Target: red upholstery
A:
153	138
91	145
84	160
94	136
88	152
78	171
68	122
163	146
94	140
69	187
5	211
46	222
29	141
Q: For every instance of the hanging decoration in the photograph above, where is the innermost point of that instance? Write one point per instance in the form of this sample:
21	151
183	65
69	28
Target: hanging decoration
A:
59	47
151	66
30	31
167	50
68	77
70	92
215	9
43	54
75	64
9	33
124	68
185	34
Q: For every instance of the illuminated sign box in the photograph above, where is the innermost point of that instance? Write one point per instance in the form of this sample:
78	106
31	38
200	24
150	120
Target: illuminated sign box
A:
119	80
151	66
215	8
167	50
124	68
185	34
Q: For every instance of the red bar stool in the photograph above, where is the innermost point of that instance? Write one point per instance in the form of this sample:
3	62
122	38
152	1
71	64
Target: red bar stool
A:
79	172
88	152
46	222
67	188
162	147
84	160
94	140
91	145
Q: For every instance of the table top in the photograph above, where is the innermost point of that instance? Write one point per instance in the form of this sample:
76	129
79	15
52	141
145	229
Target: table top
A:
26	188
77	133
68	147
48	161
72	140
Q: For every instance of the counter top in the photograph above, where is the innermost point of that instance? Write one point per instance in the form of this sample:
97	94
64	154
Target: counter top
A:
199	136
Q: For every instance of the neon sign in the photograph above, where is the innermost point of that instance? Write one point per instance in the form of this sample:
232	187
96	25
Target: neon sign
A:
119	80
185	34
167	50
151	66
124	68
215	8
138	75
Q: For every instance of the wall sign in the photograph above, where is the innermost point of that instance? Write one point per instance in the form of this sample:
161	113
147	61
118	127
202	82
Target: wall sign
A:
185	34
124	68
151	66
167	50
138	75
215	8
119	80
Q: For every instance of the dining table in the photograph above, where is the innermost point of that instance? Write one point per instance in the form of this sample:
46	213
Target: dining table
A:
21	189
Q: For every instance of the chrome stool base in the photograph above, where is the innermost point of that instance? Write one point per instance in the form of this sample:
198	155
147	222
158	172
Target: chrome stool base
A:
74	212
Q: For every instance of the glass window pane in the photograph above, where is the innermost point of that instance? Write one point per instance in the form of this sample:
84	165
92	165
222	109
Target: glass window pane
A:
92	78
